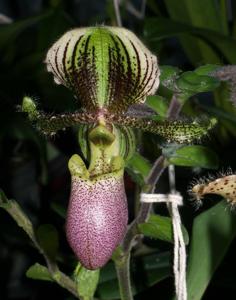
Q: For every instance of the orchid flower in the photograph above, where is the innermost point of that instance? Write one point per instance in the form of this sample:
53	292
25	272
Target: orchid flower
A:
111	73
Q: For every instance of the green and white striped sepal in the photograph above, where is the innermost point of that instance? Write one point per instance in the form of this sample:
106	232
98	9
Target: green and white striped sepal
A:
106	67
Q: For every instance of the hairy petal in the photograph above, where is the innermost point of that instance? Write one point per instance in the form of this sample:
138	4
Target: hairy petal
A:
106	67
224	186
49	124
172	131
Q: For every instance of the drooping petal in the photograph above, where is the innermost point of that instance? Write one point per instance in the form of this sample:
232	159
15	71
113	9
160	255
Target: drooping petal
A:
50	124
106	67
97	214
172	131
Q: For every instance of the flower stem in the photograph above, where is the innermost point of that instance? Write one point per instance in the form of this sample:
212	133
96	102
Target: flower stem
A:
123	273
145	208
122	262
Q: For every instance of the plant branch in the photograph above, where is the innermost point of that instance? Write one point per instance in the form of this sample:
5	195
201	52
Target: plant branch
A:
145	208
123	274
13	208
65	282
151	181
122	261
228	74
174	107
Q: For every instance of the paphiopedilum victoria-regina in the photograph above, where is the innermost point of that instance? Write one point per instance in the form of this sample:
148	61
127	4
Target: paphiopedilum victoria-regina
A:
111	73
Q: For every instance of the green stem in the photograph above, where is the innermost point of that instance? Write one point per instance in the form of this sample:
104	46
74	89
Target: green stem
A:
123	273
14	209
122	261
65	282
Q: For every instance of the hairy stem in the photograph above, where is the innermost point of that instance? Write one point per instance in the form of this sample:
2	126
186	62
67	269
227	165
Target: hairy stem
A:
64	281
123	273
145	208
151	181
122	261
13	208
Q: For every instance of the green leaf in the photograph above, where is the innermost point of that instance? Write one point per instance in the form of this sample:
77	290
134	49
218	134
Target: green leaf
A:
202	14
158	104
157	29
47	236
160	227
138	168
206	69
168	73
155	267
87	281
193	83
194	156
199	13
213	231
190	82
225	110
38	272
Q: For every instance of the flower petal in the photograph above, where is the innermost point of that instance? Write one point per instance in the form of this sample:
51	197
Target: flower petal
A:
172	131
